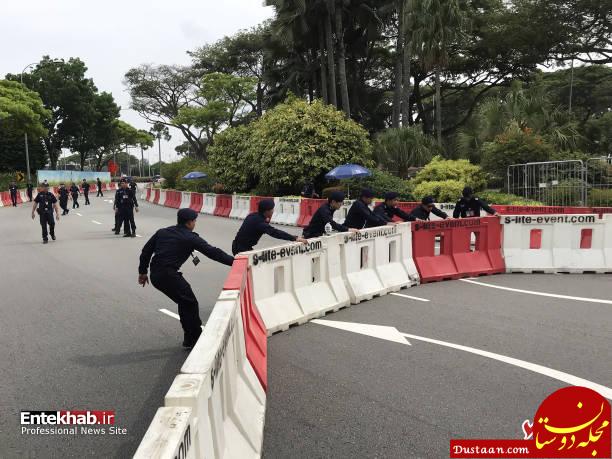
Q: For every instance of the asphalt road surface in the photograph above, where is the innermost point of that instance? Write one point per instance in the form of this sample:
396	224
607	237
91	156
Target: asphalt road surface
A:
77	332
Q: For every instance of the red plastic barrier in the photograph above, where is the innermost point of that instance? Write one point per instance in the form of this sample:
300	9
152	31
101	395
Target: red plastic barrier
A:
156	196
223	205
406	207
255	200
308	207
456	257
19	200
104	186
197	201
148	198
255	335
173	199
6	198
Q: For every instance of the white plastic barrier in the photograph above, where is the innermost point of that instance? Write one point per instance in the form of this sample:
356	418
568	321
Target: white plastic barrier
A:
171	435
340	214
377	261
24	196
210	203
241	206
286	211
185	200
298	282
447	207
557	243
162	197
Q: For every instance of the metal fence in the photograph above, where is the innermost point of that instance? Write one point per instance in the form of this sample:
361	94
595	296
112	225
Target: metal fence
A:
564	183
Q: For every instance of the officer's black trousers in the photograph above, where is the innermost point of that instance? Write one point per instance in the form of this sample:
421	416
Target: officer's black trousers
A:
14	199
127	219
86	198
46	218
64	205
172	284
29	196
75	201
99	193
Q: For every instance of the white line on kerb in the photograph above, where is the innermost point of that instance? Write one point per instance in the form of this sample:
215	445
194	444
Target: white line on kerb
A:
555	374
410	297
531	292
96	222
170	313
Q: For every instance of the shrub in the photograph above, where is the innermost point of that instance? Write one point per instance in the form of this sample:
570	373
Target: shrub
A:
505	199
600	197
399	150
173	173
231	161
380	182
441	190
565	193
447	170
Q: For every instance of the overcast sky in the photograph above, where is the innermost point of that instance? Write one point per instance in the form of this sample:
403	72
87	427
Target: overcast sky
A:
111	36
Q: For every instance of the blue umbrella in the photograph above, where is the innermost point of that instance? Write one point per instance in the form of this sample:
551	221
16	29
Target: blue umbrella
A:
348	171
195	175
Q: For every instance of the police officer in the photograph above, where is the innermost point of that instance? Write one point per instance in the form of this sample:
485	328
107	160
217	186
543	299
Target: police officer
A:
13	192
427	207
360	215
470	205
309	190
29	190
46	203
324	216
86	187
388	209
74	192
256	225
125	202
133	186
99	186
172	246
63	199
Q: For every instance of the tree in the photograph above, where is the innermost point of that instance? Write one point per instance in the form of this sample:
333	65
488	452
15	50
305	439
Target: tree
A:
21	110
398	150
160	131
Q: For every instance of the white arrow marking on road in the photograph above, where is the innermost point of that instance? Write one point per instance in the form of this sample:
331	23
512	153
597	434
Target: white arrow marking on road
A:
96	222
375	330
410	297
531	292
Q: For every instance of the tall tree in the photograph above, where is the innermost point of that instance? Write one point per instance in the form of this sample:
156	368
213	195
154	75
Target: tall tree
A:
342	78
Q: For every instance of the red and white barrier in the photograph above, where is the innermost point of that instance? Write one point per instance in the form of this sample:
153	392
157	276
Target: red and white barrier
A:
223	206
197	201
558	243
210	203
185	200
241	207
286	211
308	207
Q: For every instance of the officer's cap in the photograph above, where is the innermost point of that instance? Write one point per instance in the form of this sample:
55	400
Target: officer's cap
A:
390	195
337	196
428	200
123	180
44	185
367	193
467	192
186	215
265	205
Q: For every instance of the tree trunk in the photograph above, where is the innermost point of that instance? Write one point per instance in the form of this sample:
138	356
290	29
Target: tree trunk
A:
406	92
399	64
342	63
330	60
323	66
438	108
259	99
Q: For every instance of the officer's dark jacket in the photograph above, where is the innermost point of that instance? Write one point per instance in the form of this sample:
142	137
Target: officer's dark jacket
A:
63	193
387	213
74	189
45	201
125	199
86	187
323	216
133	186
173	245
308	190
253	227
13	189
30	187
420	213
359	216
471	208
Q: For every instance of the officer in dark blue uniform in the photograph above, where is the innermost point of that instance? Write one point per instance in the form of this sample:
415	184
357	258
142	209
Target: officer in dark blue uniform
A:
470	205
86	187
125	202
63	199
29	191
360	215
74	192
324	216
99	187
172	246
427	207
388	209
256	225
46	203
13	192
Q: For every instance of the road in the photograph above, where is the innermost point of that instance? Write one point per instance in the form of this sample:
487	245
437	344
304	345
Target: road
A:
76	332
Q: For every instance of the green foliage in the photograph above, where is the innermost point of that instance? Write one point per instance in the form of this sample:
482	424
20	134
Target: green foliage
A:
397	150
600	197
565	193
505	199
12	152
460	170
21	110
441	190
230	160
173	173
380	182
515	146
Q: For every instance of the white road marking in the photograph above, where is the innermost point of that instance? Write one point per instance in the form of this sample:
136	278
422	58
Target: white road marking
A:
96	222
170	313
410	297
375	331
531	292
555	374
78	214
138	235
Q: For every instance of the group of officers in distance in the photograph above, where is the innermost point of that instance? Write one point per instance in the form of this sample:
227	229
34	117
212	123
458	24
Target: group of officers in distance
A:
45	203
169	248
